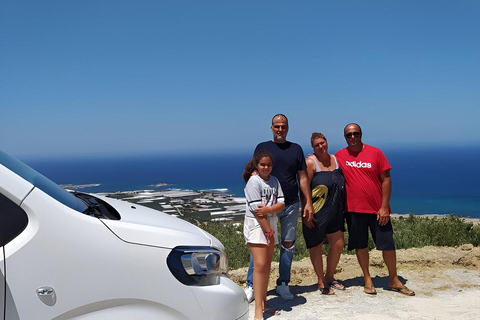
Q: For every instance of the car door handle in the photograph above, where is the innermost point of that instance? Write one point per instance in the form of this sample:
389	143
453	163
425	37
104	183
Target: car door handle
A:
45	291
47	295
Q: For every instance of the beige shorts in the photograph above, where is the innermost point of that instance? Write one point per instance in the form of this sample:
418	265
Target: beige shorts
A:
253	233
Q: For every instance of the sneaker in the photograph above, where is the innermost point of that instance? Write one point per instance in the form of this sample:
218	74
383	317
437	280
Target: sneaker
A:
249	293
284	291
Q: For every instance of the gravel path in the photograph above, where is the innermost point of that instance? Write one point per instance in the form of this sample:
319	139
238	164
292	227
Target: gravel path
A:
459	299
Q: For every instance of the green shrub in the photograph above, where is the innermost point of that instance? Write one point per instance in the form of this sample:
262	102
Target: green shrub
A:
449	231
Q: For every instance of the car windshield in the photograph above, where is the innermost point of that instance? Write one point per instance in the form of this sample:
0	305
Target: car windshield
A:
41	182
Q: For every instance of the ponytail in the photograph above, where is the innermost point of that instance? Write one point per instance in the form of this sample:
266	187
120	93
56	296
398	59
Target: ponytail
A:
251	166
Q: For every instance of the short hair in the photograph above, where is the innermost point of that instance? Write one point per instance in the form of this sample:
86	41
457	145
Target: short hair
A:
352	124
280	115
315	136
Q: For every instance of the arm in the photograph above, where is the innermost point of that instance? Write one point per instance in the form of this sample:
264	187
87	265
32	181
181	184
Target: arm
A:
306	194
310	171
263	211
383	215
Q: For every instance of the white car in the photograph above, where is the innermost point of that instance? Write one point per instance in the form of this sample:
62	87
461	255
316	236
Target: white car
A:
81	256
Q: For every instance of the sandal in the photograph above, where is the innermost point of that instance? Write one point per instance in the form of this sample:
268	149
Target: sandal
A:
326	291
337	285
369	290
403	290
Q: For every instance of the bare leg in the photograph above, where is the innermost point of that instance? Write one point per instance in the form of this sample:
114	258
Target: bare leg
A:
262	259
336	242
390	258
363	261
317	262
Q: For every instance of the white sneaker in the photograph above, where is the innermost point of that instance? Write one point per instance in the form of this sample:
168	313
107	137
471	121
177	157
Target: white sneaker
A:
249	293
284	291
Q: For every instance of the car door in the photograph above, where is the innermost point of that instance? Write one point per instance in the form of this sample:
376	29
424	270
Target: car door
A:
13	220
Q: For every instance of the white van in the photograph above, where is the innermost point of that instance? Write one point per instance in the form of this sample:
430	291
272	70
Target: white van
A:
81	256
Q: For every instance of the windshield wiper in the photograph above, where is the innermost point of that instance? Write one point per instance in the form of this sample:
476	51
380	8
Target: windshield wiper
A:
97	208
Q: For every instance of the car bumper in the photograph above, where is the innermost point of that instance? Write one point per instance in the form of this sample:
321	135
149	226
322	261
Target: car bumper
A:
226	300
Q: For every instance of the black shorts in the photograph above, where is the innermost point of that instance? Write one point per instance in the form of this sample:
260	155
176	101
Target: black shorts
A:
326	224
358	225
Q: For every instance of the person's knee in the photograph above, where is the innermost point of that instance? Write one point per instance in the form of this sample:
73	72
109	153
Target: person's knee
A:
316	251
337	246
262	267
389	251
289	251
336	240
389	254
288	244
362	251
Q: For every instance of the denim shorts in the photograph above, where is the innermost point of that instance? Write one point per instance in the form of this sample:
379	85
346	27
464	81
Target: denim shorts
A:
288	222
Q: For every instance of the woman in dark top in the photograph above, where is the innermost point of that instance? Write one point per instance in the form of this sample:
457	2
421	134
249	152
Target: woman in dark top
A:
327	185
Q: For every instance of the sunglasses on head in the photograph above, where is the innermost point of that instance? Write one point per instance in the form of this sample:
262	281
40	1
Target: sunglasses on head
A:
355	134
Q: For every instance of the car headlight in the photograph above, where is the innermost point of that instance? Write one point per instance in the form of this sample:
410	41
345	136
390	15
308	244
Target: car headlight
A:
197	266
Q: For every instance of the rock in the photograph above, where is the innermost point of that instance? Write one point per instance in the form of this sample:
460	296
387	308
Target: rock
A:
467	247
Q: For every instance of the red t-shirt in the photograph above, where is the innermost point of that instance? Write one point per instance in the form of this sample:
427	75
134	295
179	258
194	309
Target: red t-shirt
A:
363	188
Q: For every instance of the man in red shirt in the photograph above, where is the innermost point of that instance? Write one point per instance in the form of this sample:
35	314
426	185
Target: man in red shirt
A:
368	187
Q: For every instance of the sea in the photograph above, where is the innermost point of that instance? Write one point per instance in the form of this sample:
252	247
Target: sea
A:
426	181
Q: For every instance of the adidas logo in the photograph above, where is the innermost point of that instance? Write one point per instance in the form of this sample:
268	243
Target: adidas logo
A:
359	164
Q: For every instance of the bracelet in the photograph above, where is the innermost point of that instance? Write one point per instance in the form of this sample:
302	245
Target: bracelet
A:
269	233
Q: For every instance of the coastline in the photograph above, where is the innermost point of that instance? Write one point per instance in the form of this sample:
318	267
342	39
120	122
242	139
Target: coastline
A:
210	204
433	193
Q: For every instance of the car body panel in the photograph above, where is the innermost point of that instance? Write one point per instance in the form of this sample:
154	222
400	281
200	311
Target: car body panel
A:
147	226
99	269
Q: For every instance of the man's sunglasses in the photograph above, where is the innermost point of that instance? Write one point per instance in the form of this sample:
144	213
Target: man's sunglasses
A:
355	134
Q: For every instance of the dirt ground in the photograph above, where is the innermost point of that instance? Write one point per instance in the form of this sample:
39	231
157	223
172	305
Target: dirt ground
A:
446	281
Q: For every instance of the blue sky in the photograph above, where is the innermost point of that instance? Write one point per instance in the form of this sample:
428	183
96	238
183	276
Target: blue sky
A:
121	77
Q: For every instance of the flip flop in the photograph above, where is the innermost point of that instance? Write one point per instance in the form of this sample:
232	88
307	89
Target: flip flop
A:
326	291
403	290
369	290
337	285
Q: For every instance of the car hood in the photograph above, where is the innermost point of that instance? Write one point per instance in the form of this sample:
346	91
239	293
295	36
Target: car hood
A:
146	226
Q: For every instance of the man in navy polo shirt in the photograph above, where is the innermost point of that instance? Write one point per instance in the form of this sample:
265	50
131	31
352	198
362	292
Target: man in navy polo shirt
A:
290	169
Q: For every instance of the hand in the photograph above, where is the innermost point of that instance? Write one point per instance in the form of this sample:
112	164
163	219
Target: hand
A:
308	218
262	211
308	212
383	216
310	224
